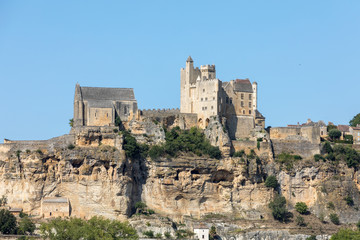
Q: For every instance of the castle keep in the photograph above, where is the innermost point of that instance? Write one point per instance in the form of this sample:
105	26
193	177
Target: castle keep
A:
234	101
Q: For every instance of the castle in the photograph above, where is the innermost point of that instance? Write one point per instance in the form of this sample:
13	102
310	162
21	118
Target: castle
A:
234	101
201	95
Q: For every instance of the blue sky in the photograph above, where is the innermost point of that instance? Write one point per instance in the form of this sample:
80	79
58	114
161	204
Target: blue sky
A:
304	55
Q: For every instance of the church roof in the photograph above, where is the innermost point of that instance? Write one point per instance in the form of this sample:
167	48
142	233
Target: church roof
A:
107	94
189	59
242	85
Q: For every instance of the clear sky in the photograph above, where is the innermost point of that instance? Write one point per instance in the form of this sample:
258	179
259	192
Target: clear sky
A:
304	55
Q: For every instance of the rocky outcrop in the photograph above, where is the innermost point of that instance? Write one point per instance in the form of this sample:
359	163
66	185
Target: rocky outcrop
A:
218	136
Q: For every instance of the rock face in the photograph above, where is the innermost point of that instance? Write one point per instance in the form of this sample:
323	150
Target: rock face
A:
98	179
217	135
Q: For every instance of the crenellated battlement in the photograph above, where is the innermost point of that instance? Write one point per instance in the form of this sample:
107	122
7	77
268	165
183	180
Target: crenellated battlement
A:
159	112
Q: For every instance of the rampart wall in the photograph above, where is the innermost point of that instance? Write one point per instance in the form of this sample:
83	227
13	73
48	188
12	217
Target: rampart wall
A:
159	112
308	133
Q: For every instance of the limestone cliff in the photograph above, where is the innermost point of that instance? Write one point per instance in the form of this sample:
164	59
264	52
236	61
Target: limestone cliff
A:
99	180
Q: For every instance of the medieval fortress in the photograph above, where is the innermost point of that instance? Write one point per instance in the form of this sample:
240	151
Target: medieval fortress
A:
93	152
206	102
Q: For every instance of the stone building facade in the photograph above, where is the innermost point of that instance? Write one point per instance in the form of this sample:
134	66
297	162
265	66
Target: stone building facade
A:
205	95
52	207
94	106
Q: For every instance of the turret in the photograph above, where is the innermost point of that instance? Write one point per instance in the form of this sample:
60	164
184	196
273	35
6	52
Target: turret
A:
254	87
208	72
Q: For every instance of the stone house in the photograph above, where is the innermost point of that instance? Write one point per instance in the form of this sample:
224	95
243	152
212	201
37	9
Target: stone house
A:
355	132
345	130
201	231
94	106
52	207
235	101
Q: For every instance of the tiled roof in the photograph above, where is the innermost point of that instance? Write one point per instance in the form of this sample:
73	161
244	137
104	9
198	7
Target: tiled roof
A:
200	226
343	128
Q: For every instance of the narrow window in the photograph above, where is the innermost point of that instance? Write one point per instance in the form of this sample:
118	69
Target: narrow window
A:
107	115
227	99
242	104
249	111
250	96
212	107
249	104
125	110
204	90
213	98
206	99
201	99
242	96
243	111
230	100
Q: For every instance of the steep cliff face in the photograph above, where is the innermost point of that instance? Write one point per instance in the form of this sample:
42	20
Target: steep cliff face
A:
100	180
97	180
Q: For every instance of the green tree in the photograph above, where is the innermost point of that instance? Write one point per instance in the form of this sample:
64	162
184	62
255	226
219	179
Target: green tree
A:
330	127
346	234
356	120
301	207
334	134
212	233
271	182
118	122
94	229
278	208
71	122
7	222
26	226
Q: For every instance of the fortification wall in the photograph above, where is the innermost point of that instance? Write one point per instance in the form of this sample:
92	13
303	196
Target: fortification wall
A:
308	133
161	113
247	146
240	126
305	149
32	145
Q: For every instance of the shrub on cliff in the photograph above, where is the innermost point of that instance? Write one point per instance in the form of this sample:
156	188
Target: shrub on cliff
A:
7	222
327	147
301	207
95	228
346	234
271	182
132	148
334	218
178	140
278	208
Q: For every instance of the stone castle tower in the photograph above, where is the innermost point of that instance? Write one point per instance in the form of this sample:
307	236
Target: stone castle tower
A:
235	101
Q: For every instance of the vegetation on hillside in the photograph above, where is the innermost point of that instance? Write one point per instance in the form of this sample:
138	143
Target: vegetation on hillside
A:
178	140
10	225
95	228
339	153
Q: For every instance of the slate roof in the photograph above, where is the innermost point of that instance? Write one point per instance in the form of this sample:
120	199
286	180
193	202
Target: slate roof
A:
55	200
258	114
189	59
112	94
242	85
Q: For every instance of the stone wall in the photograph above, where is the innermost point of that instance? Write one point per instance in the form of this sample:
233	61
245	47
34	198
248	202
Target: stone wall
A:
161	113
247	146
303	148
240	127
308	133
